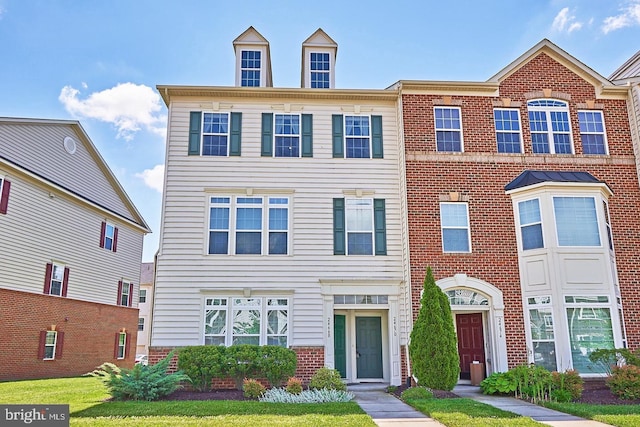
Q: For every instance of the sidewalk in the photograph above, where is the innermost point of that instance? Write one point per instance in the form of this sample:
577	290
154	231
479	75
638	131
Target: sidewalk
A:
526	409
386	410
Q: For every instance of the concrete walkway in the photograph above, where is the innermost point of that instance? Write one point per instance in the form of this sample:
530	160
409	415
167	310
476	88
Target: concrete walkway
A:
526	409
387	411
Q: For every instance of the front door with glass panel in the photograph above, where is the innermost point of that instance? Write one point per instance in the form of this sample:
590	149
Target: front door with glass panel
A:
369	347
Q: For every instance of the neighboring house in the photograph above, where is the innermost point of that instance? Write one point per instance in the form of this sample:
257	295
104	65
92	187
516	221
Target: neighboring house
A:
145	302
282	218
522	194
69	254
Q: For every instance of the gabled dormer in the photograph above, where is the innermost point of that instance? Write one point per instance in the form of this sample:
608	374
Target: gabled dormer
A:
253	59
319	53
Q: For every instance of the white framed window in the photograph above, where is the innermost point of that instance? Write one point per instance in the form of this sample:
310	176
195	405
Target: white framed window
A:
215	134
249	225
254	320
140	323
576	221
448	124
122	345
109	236
286	138
357	131
125	291
320	68
250	68
592	132
541	330
550	126
57	279
530	224
50	345
454	221
359	226
605	209
508	130
142	296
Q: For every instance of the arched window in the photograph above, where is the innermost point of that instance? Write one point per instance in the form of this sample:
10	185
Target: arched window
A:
550	127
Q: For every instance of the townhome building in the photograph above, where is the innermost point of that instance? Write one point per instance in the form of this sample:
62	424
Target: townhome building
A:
522	194
145	301
282	218
70	252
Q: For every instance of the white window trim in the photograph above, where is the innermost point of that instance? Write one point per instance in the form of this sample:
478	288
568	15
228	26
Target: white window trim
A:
265	230
107	236
141	293
549	132
329	72
230	307
599	219
519	132
347	231
436	129
122	346
604	131
299	135
54	345
203	134
520	225
126	285
260	69
468	228
141	322
53	270
347	137
534	306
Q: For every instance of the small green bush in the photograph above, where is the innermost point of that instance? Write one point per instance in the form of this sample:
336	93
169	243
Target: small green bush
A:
624	382
499	383
609	358
140	383
568	382
294	385
327	378
416	393
277	364
242	361
252	389
202	364
533	382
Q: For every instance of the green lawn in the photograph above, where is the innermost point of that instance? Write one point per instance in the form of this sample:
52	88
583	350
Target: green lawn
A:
86	399
465	412
616	415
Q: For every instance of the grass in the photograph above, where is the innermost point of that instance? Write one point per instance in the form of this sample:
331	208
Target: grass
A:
463	412
86	399
616	415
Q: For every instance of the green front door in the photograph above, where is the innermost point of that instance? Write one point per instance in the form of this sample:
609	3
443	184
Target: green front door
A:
369	347
340	344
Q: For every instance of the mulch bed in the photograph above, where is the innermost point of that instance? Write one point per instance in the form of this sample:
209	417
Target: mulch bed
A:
595	392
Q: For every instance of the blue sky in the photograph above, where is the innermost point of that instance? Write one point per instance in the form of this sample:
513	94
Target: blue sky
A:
99	62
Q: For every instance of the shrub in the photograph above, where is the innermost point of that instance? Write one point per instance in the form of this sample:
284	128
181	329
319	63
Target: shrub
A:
252	388
566	384
433	347
140	383
416	393
202	364
499	383
532	382
277	364
624	382
327	378
280	395
608	358
242	361
294	385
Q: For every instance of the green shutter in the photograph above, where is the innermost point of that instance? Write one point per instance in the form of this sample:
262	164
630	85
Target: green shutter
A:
376	136
307	135
339	232
236	132
380	226
338	139
267	134
195	122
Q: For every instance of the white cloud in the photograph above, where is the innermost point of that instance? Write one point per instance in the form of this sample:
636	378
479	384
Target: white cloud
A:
629	16
129	107
153	178
564	21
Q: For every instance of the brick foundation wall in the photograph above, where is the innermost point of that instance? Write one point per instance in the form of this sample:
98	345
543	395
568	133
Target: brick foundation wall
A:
89	335
480	174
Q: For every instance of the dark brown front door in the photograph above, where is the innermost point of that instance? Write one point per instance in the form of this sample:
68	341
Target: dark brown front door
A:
470	341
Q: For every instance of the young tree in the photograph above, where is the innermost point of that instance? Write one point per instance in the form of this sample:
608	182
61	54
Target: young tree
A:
434	347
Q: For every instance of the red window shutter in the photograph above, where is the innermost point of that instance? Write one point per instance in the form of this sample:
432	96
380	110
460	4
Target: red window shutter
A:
103	232
130	293
65	281
115	348
47	278
43	339
4	197
114	246
127	342
59	342
119	300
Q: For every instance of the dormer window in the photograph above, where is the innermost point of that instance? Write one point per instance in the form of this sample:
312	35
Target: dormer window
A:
318	61
320	70
250	68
